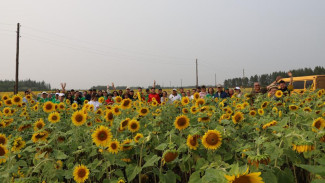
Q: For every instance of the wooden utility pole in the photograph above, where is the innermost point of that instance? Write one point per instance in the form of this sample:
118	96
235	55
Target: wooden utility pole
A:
197	76
17	58
215	79
181	83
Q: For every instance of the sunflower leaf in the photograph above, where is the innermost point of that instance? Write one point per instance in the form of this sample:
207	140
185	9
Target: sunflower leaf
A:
151	161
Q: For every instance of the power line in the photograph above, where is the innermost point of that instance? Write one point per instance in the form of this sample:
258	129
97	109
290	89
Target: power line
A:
100	44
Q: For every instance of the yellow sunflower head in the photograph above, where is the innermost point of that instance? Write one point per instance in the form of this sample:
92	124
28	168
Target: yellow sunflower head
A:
80	173
118	99
109	116
245	177
17	99
194	110
237	117
192	141
126	104
40	136
185	110
133	126
293	107
260	112
48	107
3	139
212	139
18	144
39	124
252	113
137	137
144	111
182	122
169	156
200	102
78	118
196	96
114	146
54	117
319	124
102	136
3	154
278	93
126	145
185	101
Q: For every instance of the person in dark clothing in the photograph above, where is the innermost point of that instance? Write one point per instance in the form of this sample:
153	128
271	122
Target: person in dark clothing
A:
220	93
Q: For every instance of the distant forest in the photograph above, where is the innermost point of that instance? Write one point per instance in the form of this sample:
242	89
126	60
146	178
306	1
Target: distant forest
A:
8	86
266	79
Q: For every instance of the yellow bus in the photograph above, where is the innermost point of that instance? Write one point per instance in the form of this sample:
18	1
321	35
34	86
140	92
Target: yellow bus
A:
307	82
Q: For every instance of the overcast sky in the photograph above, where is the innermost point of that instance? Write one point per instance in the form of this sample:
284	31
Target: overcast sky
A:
87	43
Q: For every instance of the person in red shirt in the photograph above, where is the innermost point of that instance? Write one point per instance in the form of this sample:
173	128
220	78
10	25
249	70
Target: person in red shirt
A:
155	95
109	100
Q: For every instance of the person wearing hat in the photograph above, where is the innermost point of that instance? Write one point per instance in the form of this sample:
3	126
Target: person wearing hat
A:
43	97
271	90
174	96
61	98
220	93
238	92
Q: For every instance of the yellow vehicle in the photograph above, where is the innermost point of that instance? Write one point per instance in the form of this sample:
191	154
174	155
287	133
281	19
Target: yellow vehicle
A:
307	82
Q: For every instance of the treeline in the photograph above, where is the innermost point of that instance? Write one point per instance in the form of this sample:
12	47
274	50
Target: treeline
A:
266	79
8	86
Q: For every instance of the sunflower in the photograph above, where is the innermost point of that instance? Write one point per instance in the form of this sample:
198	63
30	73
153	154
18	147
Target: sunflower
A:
259	159
264	105
182	122
133	126
192	141
185	110
17	99
278	93
319	124
48	107
245	178
169	156
58	165
204	119
154	103
199	102
109	116
91	107
293	107
137	137
212	139
6	111
237	117
114	146
80	173
101	136
272	123
260	112
99	112
120	181
101	99
8	102
78	118
74	106
144	111
24	127
61	106
3	154
116	110
3	139
18	144
196	96
194	110
252	113
185	101
39	124
126	145
54	117
124	123
118	99
307	109
86	102
5	97
35	107
303	148
40	136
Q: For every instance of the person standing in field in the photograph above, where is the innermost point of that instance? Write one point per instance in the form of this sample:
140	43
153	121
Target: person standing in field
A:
210	93
164	97
203	92
220	93
43	98
174	96
238	91
160	92
94	101
188	94
154	95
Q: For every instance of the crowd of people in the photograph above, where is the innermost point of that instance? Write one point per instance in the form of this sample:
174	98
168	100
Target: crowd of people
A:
92	95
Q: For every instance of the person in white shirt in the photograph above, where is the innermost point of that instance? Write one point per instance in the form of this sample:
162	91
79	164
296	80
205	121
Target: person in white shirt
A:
164	97
238	92
94	101
174	96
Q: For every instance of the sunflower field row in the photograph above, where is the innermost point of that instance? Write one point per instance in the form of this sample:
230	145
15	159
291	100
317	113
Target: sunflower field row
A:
260	139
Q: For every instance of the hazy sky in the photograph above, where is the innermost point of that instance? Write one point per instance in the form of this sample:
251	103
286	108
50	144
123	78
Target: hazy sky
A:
87	43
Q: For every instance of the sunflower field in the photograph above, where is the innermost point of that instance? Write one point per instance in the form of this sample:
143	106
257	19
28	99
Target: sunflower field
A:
247	140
